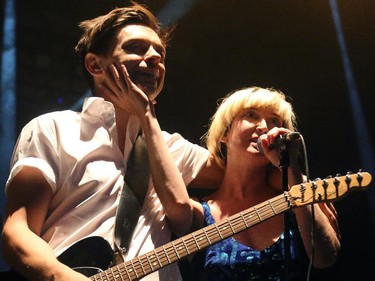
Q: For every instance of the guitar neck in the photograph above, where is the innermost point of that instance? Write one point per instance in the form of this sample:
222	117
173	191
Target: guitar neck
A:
311	192
196	241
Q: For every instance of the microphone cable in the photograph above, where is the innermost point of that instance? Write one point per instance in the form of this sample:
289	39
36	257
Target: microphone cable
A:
307	174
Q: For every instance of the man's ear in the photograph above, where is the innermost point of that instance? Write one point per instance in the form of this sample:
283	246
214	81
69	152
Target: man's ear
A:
93	65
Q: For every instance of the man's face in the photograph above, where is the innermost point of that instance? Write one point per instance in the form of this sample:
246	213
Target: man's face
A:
140	49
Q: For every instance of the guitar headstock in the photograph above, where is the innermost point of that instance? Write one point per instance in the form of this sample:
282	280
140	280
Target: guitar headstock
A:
328	189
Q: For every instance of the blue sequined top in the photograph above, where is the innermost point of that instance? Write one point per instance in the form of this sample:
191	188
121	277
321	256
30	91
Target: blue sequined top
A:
231	260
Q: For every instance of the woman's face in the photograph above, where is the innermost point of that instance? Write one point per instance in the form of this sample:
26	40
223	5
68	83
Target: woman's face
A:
246	128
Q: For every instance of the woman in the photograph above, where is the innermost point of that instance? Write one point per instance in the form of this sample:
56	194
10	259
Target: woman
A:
257	253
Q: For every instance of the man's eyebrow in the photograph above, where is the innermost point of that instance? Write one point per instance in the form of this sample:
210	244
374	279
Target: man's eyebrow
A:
132	40
142	40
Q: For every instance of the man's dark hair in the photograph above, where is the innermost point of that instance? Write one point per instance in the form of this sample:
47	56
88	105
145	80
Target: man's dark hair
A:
98	33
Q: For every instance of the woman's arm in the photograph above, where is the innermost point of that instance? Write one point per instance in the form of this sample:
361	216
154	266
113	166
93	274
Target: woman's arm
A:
167	180
326	238
326	234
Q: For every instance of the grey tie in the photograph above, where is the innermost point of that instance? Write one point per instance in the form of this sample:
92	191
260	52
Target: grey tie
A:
136	182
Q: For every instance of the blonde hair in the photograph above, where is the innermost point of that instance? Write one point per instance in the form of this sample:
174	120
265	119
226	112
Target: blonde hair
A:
233	104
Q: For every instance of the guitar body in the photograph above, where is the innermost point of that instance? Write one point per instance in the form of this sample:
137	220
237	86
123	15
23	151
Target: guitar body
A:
88	256
93	256
92	253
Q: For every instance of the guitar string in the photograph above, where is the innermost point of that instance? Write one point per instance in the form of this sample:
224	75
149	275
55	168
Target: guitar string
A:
238	224
138	269
213	232
216	232
185	244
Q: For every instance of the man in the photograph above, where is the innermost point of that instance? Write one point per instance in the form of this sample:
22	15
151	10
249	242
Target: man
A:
67	168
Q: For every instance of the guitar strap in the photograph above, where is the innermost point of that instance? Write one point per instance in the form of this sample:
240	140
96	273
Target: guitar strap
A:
136	181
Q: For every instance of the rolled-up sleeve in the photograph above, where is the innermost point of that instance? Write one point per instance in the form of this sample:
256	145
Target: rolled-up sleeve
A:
188	157
36	147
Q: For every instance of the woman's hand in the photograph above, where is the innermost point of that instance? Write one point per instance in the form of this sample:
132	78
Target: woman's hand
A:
119	89
272	145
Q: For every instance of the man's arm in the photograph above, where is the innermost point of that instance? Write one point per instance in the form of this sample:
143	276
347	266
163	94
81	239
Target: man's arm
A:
28	198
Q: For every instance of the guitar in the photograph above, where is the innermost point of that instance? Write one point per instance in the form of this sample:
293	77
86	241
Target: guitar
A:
312	192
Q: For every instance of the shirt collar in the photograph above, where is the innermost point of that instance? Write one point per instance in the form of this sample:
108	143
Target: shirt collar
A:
98	111
95	108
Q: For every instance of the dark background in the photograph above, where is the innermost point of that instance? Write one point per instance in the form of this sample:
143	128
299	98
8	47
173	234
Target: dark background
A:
220	46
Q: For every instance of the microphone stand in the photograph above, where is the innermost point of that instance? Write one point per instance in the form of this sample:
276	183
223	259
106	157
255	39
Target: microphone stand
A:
284	164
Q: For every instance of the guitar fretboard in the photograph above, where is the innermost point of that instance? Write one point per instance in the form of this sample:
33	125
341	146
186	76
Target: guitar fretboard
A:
194	242
298	195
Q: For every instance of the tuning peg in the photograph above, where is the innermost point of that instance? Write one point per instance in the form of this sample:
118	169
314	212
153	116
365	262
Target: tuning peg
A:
317	179
349	173
329	177
336	181
338	175
360	176
348	179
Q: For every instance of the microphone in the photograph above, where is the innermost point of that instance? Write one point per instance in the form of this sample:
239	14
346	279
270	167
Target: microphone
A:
281	140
